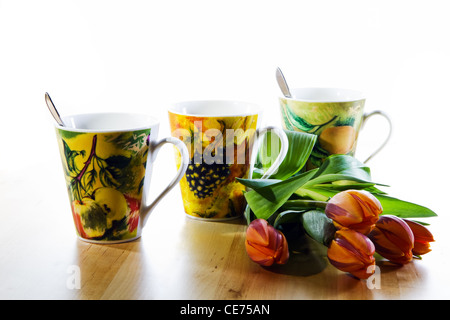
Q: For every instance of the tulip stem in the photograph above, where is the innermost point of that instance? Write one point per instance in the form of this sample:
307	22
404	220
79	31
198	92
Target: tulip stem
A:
304	204
303	192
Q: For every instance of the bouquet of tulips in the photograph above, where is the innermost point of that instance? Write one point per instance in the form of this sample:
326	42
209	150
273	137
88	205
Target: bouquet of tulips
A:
336	205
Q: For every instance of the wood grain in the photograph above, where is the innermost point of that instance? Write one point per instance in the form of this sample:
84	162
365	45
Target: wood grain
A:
178	258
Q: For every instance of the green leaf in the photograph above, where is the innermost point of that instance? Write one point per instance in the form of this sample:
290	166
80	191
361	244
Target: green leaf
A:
403	209
286	121
318	226
75	189
337	185
338	170
257	172
68	134
391	205
132	141
345	165
301	204
266	200
295	121
248	214
300	147
288	216
89	179
420	222
257	183
330	178
107	179
70	156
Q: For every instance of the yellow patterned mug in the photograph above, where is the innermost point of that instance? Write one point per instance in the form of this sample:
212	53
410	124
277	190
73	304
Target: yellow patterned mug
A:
334	115
220	136
107	160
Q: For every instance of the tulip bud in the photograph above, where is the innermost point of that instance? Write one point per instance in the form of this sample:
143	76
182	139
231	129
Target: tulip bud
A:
354	209
265	245
422	238
393	239
351	251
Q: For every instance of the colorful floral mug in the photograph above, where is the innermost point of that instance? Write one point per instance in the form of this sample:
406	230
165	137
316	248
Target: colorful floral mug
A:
107	160
220	137
334	115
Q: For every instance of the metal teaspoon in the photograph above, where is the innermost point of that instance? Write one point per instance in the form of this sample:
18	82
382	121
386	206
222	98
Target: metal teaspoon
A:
53	110
282	83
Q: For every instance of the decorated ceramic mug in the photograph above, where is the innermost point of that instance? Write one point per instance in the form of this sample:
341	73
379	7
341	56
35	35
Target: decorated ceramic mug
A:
334	115
220	137
107	160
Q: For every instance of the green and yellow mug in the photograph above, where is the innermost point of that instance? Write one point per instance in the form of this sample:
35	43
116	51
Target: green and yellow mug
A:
220	137
107	160
334	115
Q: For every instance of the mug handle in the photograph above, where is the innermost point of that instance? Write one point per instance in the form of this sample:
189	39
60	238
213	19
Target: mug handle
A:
153	150
283	150
381	113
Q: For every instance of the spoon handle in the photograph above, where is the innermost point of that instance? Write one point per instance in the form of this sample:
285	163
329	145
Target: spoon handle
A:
282	83
53	110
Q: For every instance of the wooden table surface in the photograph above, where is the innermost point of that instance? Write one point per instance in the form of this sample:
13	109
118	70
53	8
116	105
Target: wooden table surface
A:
132	58
177	257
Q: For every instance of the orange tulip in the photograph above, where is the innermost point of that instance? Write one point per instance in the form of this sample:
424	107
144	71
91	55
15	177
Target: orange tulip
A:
393	239
351	251
422	238
265	245
354	209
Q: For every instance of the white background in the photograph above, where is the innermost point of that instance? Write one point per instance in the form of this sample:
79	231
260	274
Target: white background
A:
140	56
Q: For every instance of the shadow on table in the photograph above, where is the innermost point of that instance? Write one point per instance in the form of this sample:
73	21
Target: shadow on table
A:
306	258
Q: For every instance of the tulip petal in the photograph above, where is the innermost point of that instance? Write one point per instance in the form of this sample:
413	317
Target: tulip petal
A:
354	209
343	209
396	231
422	237
383	244
367	201
421	248
258	256
393	239
363	272
338	213
359	242
283	255
421	233
258	233
343	259
266	245
351	251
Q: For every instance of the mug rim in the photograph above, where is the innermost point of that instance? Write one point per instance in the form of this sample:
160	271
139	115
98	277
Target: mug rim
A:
361	94
175	108
153	121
